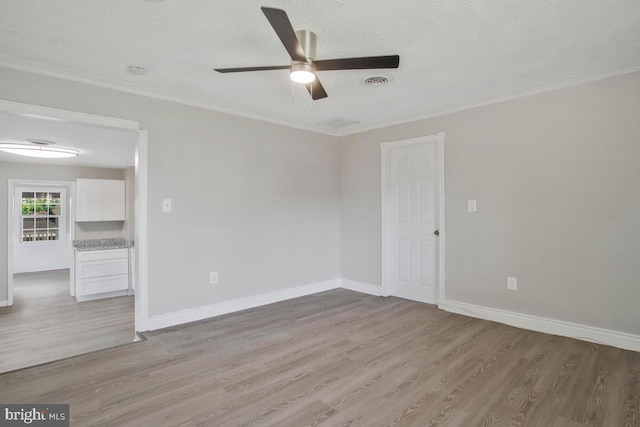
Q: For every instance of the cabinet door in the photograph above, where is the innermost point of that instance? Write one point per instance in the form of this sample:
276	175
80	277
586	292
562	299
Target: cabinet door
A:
114	201
88	200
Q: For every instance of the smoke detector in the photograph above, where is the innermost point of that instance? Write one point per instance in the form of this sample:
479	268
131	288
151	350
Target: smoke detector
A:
137	70
376	81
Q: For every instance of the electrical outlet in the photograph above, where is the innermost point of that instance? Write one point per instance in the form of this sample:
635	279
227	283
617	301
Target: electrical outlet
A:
213	277
512	283
472	206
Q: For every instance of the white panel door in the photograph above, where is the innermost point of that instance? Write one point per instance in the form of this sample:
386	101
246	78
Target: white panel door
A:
413	222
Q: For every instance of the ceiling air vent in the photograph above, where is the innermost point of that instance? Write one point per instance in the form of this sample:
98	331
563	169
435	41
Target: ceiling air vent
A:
376	81
337	122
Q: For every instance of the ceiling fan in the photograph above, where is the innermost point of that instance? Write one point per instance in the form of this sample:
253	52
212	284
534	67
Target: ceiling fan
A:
301	46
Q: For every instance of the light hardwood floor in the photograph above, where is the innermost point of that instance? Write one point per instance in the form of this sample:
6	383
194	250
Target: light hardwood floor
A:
341	358
45	323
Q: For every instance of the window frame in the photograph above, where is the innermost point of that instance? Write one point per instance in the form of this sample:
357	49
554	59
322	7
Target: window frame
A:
62	216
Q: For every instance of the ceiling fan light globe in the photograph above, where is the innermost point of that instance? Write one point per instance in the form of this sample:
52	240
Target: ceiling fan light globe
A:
302	76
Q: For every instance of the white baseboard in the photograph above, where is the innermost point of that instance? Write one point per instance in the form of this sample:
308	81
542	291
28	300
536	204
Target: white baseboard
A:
546	325
85	298
361	287
4	303
205	312
519	320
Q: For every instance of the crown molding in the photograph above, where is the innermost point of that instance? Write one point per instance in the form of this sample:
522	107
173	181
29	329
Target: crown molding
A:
576	80
37	67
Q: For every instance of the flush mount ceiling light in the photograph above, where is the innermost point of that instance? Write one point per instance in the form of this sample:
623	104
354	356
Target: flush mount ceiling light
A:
37	148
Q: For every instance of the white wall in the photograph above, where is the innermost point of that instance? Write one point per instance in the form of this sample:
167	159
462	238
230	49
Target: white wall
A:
256	202
557	180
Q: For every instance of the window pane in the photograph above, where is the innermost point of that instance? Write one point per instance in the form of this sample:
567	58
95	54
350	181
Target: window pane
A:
53	234
27	236
41	223
27	194
54	209
41	195
54	195
27	207
28	223
42	209
53	222
41	235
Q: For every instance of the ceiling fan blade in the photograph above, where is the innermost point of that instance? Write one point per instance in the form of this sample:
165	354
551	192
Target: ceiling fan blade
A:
239	70
366	62
282	26
316	90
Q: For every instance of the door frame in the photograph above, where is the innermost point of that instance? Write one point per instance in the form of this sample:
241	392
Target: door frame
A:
385	248
141	172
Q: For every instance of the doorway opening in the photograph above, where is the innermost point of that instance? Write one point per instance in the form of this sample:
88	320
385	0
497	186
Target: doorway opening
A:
40	286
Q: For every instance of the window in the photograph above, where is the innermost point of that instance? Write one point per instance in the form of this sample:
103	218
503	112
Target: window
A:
40	218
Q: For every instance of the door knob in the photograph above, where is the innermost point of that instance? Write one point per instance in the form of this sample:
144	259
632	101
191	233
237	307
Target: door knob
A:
437	232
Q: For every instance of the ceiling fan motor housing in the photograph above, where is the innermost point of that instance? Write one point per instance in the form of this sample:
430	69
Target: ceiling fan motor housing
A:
308	41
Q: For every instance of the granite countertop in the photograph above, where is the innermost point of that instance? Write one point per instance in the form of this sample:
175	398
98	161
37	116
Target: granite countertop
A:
100	244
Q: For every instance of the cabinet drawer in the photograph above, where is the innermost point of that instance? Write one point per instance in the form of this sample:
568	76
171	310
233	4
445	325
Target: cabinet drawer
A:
99	285
108	267
102	255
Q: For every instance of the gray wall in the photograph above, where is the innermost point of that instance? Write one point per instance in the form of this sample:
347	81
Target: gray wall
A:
555	176
557	180
256	202
10	170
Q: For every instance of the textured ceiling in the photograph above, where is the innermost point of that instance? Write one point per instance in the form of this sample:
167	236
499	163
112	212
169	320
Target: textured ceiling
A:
453	53
99	146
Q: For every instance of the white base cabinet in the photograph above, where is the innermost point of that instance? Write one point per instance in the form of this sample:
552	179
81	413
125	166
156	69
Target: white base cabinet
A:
101	273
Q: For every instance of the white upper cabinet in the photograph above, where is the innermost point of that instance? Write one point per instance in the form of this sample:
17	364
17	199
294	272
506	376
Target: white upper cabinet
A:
100	200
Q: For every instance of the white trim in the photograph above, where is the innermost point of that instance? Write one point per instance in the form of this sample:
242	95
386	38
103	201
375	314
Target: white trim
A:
141	233
439	139
548	326
36	67
4	303
524	321
70	75
70	116
10	210
205	312
103	295
364	288
545	88
142	296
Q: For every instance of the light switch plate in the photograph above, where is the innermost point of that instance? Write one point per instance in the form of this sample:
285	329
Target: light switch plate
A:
166	205
472	206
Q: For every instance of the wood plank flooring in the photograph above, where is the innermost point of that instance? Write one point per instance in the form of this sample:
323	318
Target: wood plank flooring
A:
341	359
45	323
